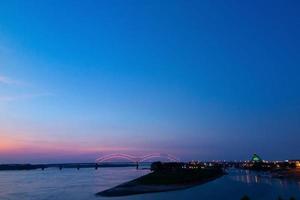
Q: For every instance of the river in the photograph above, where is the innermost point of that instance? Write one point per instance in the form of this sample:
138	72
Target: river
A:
73	184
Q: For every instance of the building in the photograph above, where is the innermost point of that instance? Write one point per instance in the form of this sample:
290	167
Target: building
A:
296	163
255	158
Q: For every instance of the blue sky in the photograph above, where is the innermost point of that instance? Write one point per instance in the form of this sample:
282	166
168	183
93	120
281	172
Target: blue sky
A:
200	80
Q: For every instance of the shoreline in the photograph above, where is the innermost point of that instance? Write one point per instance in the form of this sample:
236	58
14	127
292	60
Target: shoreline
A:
135	187
22	167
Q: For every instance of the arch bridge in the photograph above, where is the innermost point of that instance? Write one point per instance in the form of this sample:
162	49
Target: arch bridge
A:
136	159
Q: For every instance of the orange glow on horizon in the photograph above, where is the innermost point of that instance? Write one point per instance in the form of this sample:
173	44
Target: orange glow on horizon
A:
20	146
10	145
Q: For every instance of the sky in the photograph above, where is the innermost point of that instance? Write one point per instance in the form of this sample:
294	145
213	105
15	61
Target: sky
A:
196	79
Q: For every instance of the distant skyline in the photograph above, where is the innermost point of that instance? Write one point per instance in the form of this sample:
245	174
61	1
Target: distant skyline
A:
196	79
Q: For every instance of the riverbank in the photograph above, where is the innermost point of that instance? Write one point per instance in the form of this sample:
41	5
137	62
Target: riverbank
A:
17	167
162	181
287	174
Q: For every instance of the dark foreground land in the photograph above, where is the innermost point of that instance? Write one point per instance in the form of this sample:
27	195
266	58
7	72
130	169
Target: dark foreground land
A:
165	180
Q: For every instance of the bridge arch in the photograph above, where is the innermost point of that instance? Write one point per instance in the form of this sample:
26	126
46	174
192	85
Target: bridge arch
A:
137	159
116	156
159	155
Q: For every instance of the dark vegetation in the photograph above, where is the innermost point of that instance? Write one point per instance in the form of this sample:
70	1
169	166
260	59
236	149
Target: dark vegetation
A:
175	174
245	197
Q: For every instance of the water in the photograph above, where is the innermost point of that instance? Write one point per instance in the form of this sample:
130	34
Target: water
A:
72	184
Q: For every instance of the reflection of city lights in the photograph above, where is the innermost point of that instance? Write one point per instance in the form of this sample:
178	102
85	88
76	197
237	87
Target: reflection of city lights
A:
298	164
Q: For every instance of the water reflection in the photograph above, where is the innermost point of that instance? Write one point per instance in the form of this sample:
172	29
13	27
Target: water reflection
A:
251	177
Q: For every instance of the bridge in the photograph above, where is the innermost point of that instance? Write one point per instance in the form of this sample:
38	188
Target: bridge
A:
104	161
136	159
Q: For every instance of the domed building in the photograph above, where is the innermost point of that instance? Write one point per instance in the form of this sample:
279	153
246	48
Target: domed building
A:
255	158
